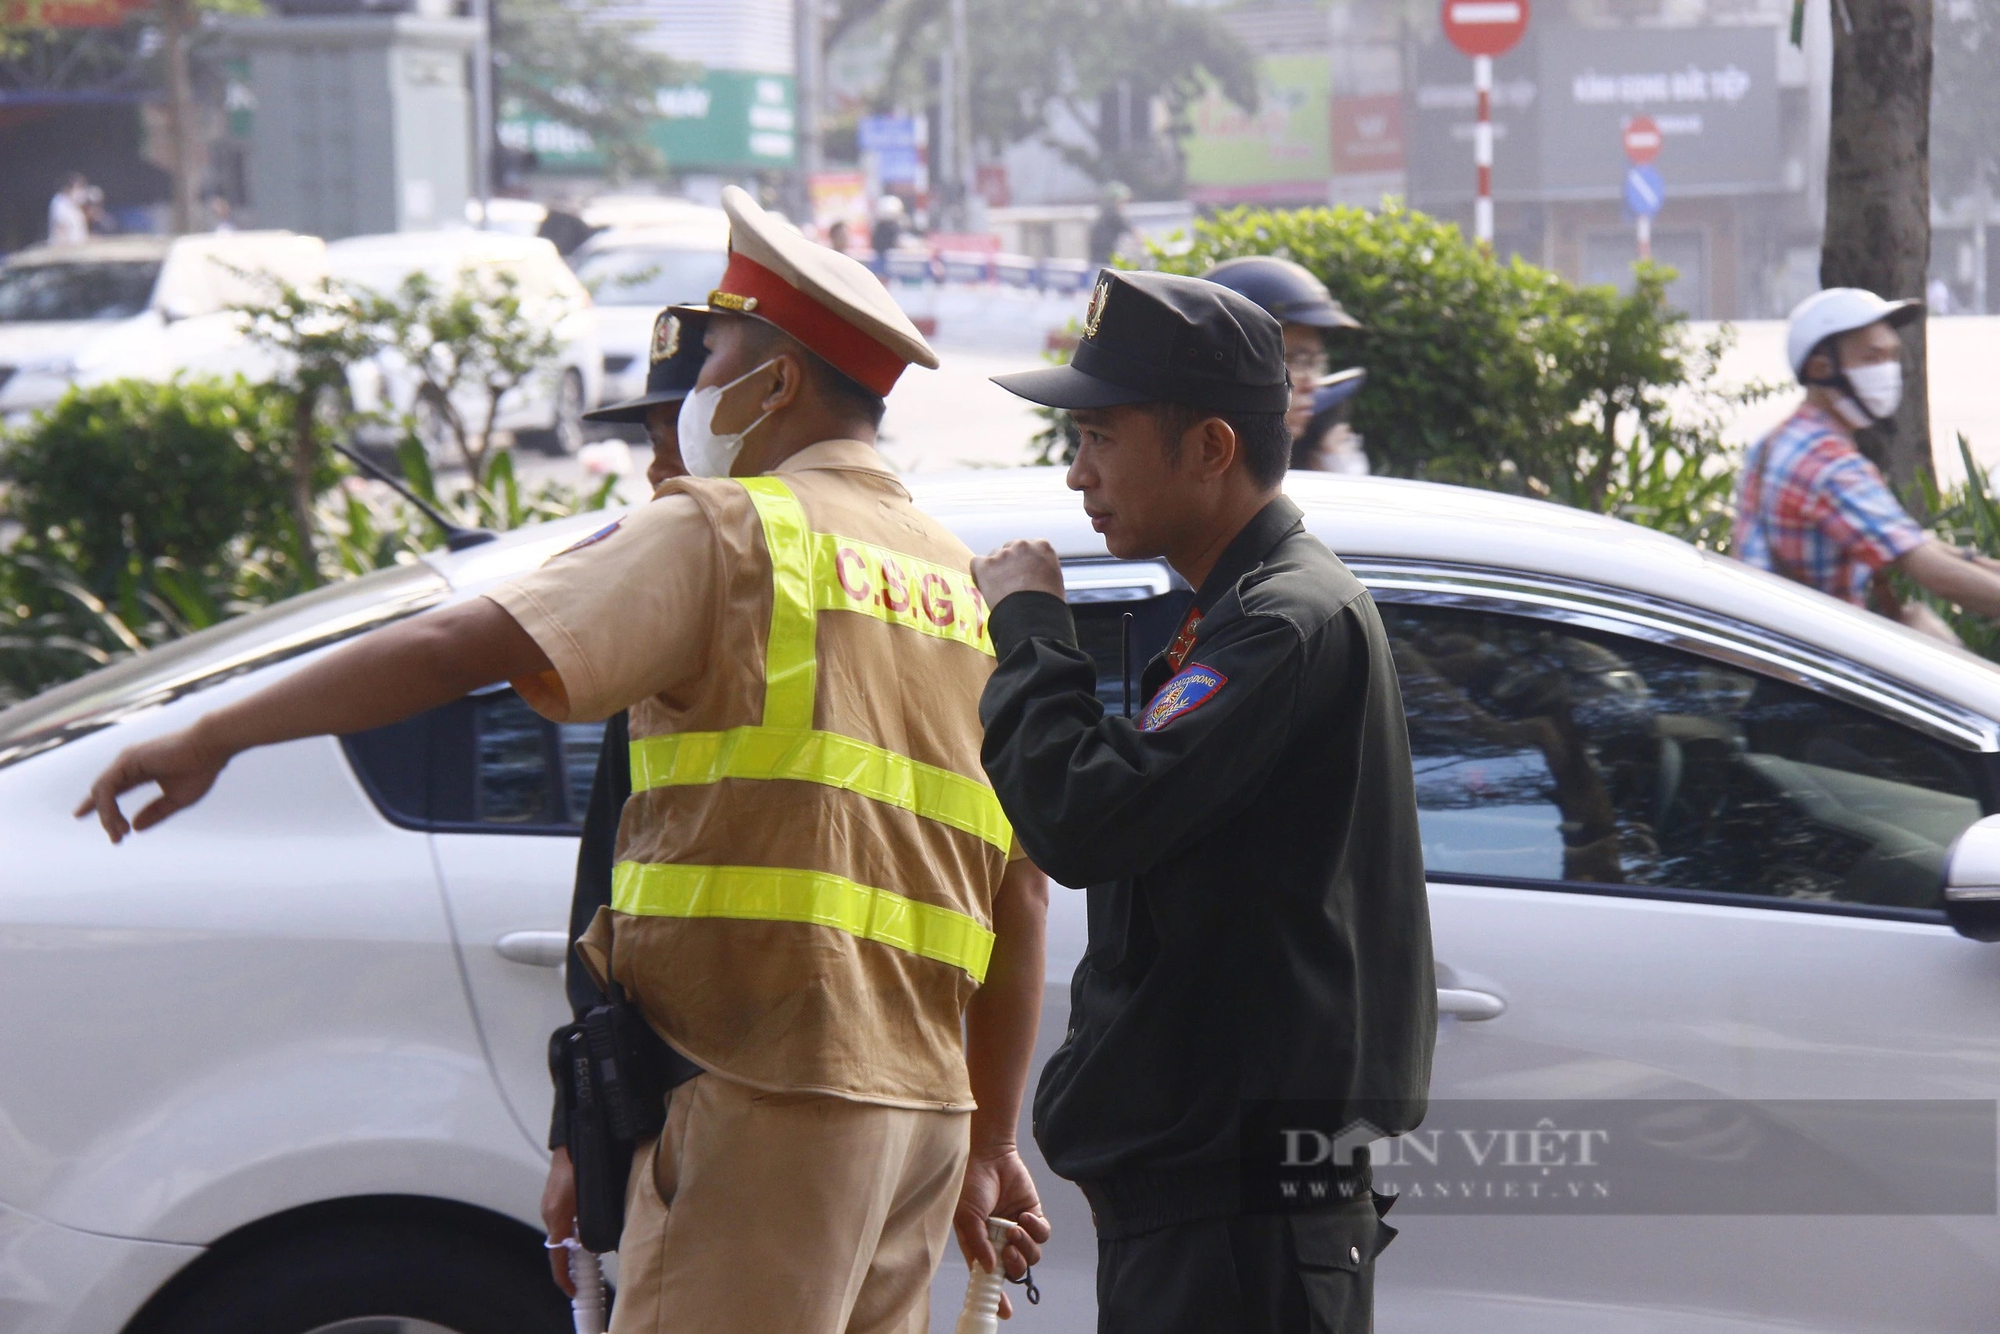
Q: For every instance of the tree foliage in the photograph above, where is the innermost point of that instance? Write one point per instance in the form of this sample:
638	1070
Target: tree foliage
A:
573	62
475	337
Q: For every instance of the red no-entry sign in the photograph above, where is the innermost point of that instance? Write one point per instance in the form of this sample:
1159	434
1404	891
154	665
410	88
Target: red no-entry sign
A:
1485	27
1642	140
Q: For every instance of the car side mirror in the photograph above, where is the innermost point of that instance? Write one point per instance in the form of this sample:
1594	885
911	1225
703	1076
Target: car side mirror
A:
1972	881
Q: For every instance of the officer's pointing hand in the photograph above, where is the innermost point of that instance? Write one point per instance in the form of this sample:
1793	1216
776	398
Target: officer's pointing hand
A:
1025	565
182	764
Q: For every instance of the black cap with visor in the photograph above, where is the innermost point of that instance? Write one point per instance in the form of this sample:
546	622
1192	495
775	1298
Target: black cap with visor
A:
673	363
1163	338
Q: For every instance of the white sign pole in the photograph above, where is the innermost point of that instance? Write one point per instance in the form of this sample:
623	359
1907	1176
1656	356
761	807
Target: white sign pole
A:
1482	150
1645	236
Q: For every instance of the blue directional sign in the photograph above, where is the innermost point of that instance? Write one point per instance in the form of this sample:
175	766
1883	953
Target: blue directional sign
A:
1644	191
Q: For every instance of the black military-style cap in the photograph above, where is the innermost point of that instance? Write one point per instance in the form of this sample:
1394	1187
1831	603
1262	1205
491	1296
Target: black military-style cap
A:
673	361
1162	338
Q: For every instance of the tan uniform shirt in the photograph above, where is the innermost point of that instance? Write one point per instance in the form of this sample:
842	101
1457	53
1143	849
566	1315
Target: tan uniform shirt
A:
670	616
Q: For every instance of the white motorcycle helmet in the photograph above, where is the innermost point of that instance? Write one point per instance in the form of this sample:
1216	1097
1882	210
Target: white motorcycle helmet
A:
1864	395
1839	310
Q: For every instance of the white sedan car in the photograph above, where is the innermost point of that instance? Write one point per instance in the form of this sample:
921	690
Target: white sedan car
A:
146	307
546	410
278	1066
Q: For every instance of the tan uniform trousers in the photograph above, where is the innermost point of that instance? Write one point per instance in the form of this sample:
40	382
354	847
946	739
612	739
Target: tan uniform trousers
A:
787	1213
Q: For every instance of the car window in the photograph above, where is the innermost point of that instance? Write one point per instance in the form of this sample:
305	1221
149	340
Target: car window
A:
651	276
1549	752
84	290
487	763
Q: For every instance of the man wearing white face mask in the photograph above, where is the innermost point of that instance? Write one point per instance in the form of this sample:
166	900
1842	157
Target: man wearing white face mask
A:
1810	506
816	898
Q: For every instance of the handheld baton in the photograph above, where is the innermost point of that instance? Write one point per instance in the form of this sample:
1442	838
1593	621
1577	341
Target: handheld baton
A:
587	1274
982	1290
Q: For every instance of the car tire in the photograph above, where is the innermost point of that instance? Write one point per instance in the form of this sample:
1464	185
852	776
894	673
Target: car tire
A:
565	434
376	1278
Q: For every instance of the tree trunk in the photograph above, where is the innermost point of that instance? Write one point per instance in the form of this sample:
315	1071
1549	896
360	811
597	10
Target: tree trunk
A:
178	19
1878	196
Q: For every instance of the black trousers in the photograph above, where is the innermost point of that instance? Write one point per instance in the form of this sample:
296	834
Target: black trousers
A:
1310	1273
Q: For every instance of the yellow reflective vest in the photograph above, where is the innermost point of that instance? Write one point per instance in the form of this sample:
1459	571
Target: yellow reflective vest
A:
803	896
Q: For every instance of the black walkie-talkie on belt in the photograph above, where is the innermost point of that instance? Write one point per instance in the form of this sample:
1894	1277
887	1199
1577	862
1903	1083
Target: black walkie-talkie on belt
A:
614	1072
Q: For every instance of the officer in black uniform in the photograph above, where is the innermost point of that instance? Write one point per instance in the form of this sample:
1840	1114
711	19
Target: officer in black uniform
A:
673	363
1259	955
1294	296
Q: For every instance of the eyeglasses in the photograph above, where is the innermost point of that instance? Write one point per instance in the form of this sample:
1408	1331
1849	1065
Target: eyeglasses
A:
1306	365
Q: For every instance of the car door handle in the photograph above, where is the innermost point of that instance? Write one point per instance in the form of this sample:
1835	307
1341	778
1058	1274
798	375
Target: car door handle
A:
541	949
1464	1004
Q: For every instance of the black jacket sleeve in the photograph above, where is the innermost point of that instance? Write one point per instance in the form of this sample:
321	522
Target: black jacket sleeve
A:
1095	797
594	857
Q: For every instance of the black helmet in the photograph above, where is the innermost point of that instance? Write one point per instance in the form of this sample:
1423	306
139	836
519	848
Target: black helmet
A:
1289	291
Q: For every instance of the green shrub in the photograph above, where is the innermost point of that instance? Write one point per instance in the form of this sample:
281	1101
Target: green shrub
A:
1503	375
122	476
1966	516
145	511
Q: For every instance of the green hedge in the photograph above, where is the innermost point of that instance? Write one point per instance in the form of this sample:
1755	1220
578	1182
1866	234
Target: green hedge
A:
1503	375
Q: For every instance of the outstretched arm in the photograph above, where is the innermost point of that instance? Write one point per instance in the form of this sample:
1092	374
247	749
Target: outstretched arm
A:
381	678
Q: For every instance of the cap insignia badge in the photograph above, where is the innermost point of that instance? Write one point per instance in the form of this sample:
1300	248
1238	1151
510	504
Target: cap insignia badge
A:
666	338
1094	316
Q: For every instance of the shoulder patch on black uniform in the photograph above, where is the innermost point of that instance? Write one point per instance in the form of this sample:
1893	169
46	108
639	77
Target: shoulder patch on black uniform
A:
1189	689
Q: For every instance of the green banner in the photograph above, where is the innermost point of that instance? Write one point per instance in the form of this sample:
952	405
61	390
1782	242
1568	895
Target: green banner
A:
727	120
1281	152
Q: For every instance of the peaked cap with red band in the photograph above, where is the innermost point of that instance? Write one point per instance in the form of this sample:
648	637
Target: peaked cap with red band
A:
827	301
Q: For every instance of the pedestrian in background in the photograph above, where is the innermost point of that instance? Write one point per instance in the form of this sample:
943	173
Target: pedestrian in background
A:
69	211
887	233
1811	507
1259	952
1110	227
1319	419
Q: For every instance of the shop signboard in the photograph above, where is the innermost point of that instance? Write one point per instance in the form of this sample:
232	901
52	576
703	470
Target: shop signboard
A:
1367	134
1564	98
1281	153
1711	92
727	120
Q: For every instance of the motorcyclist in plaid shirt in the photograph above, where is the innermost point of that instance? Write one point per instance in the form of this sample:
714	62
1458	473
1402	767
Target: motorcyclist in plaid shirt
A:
1810	506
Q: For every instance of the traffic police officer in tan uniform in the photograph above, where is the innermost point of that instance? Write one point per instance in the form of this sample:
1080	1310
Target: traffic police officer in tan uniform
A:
817	898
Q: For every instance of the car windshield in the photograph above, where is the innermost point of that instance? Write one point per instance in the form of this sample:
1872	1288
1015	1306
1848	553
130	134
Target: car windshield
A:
215	655
82	290
651	276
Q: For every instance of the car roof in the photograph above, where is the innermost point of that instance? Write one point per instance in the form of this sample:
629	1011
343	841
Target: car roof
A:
464	243
110	248
1367	519
694	235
